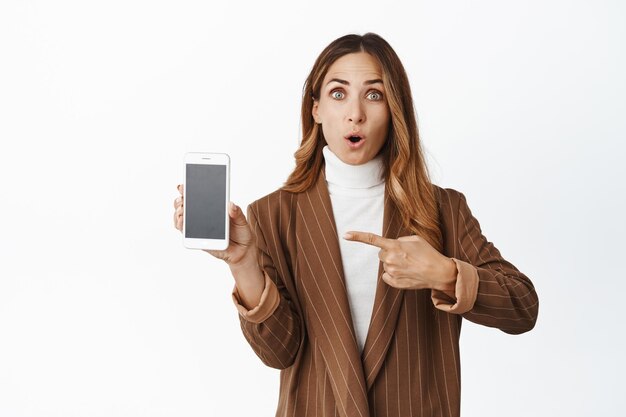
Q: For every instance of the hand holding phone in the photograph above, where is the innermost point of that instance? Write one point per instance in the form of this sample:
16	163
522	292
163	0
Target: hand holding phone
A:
241	245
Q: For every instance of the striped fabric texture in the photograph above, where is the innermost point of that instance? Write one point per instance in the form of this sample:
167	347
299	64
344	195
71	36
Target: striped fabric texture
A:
410	363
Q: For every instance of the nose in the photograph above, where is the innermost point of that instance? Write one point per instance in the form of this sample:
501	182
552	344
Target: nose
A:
355	112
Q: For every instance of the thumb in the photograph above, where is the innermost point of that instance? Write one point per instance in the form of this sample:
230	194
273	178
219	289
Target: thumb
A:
236	214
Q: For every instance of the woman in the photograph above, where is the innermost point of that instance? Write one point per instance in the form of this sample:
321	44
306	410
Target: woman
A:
354	277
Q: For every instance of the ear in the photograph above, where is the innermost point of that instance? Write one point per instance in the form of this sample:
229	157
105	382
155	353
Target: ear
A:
314	112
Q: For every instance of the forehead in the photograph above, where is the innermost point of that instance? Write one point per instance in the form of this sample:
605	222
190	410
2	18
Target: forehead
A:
354	65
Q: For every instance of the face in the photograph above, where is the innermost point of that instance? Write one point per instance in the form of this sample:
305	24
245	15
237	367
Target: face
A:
352	108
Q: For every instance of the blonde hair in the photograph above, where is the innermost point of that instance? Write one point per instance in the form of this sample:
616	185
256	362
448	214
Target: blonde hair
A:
406	175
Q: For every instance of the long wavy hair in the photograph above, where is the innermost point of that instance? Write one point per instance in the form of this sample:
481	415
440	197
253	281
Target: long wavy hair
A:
407	180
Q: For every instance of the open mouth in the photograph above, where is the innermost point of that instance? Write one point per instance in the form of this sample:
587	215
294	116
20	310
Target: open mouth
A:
354	140
354	137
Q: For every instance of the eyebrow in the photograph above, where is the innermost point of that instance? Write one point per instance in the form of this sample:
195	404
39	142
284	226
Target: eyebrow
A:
344	82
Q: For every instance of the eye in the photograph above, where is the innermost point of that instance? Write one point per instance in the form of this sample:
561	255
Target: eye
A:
375	95
337	94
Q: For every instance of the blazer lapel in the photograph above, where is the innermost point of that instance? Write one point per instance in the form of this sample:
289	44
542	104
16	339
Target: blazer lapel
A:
321	284
387	304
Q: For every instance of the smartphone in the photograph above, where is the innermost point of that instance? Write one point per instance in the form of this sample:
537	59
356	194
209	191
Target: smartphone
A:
207	193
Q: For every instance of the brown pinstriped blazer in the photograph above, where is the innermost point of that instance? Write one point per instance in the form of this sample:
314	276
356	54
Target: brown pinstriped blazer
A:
410	362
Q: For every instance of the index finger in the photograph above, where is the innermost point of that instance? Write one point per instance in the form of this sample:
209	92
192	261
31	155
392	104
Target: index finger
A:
369	238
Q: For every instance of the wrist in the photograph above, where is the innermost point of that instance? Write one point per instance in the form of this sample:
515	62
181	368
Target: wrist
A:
249	280
247	262
447	276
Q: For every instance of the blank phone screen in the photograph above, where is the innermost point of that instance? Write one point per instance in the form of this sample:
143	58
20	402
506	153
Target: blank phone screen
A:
205	201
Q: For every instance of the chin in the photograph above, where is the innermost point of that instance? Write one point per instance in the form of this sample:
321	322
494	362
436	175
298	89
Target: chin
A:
355	159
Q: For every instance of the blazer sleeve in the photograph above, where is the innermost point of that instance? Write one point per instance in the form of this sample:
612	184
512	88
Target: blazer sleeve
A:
505	297
273	327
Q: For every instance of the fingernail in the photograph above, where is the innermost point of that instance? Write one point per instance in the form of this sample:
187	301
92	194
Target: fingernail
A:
347	236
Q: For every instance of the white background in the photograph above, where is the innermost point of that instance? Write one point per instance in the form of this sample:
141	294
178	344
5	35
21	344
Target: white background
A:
521	106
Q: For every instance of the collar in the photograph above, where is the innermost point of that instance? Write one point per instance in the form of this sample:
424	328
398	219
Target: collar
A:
339	173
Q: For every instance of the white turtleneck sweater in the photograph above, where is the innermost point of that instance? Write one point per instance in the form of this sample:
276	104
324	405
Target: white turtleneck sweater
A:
357	196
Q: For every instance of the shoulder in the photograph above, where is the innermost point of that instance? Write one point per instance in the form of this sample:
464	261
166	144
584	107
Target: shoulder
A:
454	209
274	200
278	205
273	216
448	197
453	206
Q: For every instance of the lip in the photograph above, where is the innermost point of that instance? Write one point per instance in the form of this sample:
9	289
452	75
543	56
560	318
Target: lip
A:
349	135
356	145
